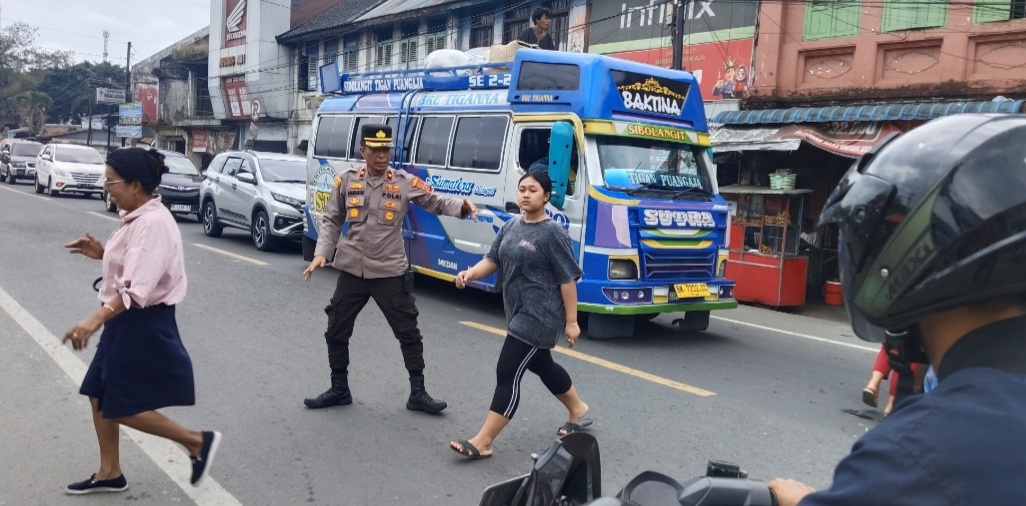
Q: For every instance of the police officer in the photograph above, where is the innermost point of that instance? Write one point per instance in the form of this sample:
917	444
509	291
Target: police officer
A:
933	260
373	200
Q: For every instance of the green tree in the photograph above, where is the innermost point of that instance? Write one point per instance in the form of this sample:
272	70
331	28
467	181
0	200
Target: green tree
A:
73	87
32	107
22	65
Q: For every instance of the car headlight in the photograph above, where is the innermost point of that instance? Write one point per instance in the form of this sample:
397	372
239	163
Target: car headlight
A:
285	199
57	171
622	269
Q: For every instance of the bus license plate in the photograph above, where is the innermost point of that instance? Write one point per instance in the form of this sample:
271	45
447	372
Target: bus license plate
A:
691	290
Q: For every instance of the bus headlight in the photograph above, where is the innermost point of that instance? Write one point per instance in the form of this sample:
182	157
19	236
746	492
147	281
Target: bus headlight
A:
622	269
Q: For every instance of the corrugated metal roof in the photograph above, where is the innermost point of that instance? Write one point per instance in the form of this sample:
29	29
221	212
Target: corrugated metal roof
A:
393	7
725	139
342	13
883	112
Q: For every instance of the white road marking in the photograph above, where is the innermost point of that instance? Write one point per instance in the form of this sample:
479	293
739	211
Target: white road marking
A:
230	254
168	456
23	193
796	334
104	216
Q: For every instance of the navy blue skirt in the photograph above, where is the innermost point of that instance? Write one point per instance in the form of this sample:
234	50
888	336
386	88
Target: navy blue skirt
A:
140	364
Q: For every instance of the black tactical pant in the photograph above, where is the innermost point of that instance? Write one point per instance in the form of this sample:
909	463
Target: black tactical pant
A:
398	306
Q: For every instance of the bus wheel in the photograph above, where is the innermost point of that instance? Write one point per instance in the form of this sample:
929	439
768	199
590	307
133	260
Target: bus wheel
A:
693	321
308	248
605	326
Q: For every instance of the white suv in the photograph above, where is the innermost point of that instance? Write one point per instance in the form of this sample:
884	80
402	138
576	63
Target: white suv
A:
69	168
260	192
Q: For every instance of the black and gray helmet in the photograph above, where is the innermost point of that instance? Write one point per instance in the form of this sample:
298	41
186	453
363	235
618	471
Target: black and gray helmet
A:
932	220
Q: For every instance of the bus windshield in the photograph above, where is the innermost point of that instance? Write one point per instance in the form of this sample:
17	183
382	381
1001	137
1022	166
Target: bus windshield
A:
632	165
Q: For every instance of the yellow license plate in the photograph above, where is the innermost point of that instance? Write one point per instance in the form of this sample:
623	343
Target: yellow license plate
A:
691	290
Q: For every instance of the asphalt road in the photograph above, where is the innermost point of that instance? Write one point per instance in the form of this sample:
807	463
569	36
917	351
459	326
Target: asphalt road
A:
777	393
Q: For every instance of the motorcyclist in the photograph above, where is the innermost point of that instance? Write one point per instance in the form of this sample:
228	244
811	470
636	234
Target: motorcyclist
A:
933	256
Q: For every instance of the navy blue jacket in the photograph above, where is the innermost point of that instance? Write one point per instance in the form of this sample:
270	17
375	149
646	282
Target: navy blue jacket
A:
964	443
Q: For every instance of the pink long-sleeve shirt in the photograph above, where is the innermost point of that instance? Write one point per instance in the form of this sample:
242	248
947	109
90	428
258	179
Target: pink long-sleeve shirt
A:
143	261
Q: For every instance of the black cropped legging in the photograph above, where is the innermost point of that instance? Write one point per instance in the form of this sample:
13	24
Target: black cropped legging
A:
516	358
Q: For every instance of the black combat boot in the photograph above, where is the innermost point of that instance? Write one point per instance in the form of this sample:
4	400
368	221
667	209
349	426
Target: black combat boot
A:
337	395
420	400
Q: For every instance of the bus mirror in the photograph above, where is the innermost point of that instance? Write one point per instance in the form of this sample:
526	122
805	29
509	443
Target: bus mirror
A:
561	142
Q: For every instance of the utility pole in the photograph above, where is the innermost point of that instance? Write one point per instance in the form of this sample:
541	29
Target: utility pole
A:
89	135
678	34
106	39
128	82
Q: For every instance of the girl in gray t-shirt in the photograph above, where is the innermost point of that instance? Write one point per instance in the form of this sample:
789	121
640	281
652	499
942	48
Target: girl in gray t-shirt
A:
535	260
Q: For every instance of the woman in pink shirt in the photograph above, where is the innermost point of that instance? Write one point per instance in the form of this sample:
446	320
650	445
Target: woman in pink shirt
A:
140	365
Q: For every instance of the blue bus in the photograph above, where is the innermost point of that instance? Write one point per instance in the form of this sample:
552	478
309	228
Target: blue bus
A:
627	147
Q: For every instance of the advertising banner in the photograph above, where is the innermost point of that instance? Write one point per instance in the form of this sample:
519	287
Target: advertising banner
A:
147	95
236	98
721	68
845	138
235	20
718	41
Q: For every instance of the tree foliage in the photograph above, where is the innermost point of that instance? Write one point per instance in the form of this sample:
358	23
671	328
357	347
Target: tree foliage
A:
32	106
73	87
22	64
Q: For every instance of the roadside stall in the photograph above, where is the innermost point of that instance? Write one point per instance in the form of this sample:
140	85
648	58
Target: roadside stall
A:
765	258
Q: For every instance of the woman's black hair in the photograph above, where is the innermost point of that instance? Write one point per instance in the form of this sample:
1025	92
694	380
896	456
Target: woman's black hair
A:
540	13
542	178
139	164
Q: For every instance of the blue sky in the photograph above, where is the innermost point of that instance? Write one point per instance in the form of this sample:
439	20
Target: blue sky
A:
78	25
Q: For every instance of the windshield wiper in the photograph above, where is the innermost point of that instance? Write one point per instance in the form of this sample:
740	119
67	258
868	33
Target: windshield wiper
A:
690	191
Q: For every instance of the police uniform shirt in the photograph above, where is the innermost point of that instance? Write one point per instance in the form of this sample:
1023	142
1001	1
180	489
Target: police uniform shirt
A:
374	209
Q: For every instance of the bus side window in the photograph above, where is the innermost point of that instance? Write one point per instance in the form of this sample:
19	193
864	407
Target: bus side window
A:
433	145
332	136
407	137
534	152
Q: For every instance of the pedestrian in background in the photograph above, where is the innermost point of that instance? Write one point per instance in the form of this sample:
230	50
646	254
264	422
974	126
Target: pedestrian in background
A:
140	365
374	200
535	258
539	35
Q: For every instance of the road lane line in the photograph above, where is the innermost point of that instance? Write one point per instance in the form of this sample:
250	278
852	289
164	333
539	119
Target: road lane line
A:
111	218
608	365
230	254
796	334
23	193
168	456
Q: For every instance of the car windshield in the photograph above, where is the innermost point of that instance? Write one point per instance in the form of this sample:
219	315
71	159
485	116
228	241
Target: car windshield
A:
72	155
632	165
26	149
180	165
283	171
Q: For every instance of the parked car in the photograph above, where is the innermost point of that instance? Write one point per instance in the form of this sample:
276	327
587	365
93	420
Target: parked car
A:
260	192
18	159
69	168
179	189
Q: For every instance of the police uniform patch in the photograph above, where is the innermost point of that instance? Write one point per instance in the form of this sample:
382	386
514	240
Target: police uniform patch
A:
389	215
390	175
353	213
363	172
391	205
338	182
356	186
354	201
421	185
393	188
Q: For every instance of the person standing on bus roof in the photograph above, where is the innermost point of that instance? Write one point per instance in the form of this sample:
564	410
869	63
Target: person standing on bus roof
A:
374	200
539	35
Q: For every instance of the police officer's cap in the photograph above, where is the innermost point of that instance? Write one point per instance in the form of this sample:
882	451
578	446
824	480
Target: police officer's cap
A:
377	136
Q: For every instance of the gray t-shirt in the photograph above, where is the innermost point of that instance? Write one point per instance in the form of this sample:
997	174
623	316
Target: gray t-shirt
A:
534	259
